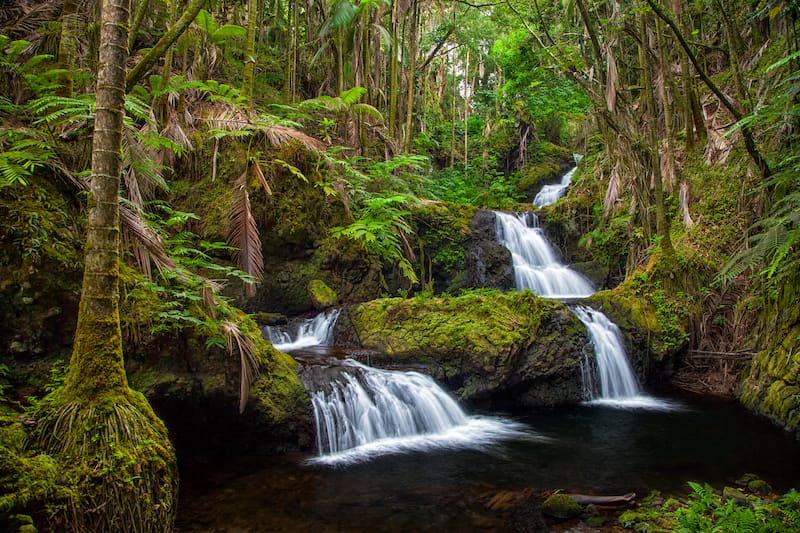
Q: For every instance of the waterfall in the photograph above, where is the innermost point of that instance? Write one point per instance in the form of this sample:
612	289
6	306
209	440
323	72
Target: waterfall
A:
536	266
616	378
549	194
369	412
316	331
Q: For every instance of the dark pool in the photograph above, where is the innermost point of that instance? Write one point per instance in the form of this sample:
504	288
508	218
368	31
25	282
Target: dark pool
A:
588	449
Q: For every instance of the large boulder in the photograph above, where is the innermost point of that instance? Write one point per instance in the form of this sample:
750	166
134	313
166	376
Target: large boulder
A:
486	346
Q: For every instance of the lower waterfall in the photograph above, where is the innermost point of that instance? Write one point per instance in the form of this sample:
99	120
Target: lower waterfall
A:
369	412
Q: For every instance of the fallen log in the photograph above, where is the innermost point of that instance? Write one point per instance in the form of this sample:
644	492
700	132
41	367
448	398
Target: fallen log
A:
586	499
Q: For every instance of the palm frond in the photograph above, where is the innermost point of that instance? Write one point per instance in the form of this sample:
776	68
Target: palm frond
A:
147	244
244	235
243	345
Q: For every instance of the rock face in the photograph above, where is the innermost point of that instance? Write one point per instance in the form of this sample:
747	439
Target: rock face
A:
488	346
772	385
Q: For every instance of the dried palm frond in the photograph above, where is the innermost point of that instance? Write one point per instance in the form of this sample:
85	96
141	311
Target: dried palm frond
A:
25	20
684	201
613	191
718	148
174	132
259	173
612	78
243	235
147	244
234	339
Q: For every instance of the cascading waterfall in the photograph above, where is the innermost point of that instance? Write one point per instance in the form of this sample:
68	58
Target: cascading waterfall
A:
370	412
549	194
312	332
536	266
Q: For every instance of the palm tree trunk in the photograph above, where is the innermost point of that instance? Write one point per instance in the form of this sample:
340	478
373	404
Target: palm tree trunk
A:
104	435
67	47
412	69
248	76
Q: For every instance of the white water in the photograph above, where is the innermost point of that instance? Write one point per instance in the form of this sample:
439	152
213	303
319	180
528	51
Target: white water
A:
536	266
375	412
313	332
549	194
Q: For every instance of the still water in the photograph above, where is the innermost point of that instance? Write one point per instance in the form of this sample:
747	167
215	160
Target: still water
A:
585	448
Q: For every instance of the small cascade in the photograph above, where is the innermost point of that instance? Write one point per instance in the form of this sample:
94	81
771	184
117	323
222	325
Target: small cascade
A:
536	266
549	194
368	412
615	375
316	331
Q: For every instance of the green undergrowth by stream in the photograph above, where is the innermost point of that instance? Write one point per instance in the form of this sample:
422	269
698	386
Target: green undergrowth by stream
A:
750	507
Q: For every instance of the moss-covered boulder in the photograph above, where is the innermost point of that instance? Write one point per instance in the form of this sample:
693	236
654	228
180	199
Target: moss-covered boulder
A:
321	295
195	389
486	345
772	385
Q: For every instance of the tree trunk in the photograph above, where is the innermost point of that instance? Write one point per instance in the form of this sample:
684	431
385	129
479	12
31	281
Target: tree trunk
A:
67	48
248	75
651	146
412	69
166	40
105	437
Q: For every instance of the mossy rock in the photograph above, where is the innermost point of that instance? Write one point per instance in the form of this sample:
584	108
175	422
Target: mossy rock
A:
321	295
536	175
561	506
485	344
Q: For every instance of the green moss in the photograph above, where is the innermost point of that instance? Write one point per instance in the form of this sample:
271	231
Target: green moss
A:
561	506
534	175
27	479
321	295
116	457
484	325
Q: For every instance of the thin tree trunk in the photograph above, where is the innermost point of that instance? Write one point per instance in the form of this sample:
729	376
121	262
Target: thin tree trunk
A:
412	69
662	224
138	17
393	72
67	48
248	75
160	48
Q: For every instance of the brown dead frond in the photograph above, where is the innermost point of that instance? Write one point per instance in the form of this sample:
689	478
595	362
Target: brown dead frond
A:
684	201
243	235
243	345
146	243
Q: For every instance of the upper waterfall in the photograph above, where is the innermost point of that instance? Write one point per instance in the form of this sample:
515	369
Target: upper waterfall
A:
316	331
536	266
549	194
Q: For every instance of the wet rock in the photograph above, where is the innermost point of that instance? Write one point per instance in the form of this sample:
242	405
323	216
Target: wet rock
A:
321	295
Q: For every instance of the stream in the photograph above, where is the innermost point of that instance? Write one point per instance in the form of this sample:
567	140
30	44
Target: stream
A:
395	452
587	448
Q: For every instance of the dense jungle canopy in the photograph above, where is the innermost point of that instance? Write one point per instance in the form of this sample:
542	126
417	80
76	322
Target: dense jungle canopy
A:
211	166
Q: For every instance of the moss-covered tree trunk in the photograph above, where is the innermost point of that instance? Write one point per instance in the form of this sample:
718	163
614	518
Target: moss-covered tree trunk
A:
108	442
248	76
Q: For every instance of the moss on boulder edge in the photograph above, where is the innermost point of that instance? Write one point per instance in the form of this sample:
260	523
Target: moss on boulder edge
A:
486	345
321	295
772	385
